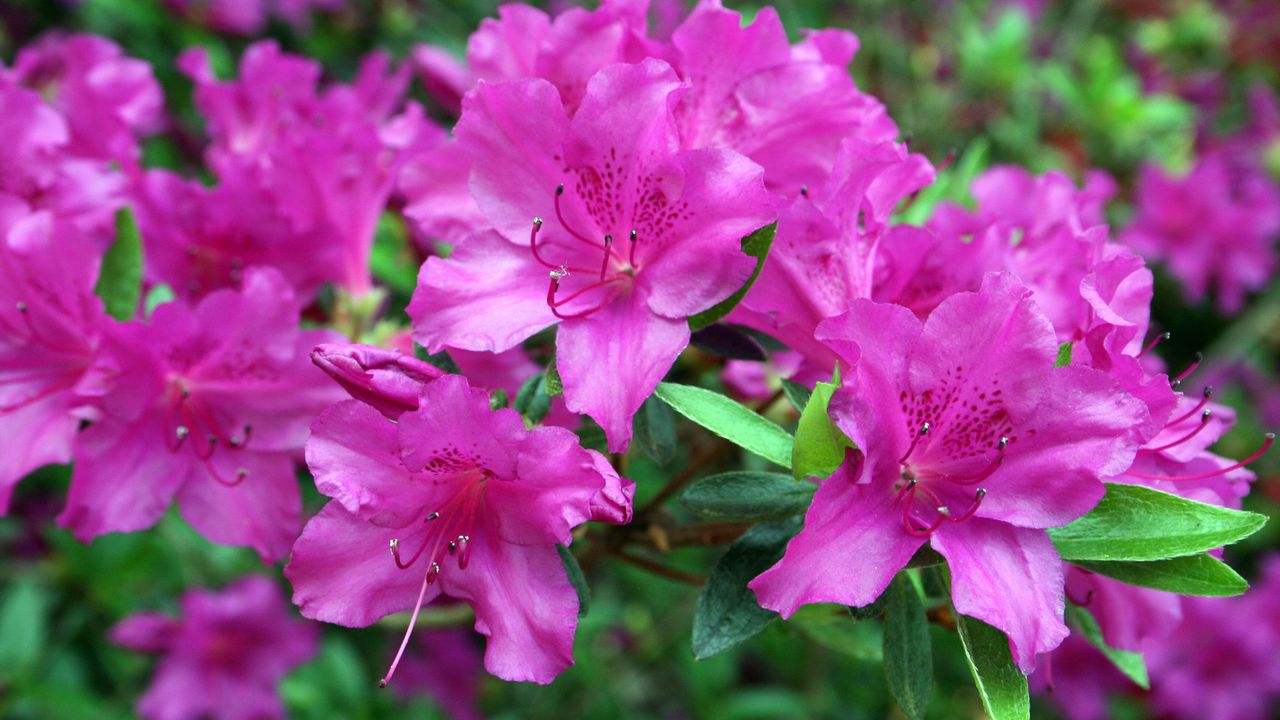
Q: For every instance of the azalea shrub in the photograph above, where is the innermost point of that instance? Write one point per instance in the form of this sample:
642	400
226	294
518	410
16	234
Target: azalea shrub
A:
642	359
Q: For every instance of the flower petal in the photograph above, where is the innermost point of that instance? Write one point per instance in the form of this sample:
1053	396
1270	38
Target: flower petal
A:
262	511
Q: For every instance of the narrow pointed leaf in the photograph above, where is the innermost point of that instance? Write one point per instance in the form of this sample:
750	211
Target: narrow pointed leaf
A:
1002	687
1201	574
747	495
1137	523
654	428
730	420
727	611
908	656
819	444
796	393
120	277
576	579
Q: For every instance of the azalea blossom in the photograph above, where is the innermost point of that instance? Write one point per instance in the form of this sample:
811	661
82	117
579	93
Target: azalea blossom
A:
471	504
601	224
50	324
223	657
209	406
970	440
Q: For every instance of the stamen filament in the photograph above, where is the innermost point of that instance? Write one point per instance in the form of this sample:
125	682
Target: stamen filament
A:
1270	438
1208	393
1154	342
1204	422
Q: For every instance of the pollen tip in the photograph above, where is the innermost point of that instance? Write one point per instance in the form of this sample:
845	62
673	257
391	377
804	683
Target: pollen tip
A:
22	307
1208	391
633	235
1204	416
1270	436
1166	335
537	222
181	431
560	189
924	428
382	683
242	473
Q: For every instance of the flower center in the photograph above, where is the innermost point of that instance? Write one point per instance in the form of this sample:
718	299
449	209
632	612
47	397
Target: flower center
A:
190	416
578	286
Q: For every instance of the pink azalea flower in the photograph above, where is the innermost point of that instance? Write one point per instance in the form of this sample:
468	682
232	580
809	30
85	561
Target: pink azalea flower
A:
38	171
200	239
508	371
471	503
824	254
971	441
50	323
210	407
635	234
329	159
223	657
1221	663
108	99
1211	228
1078	679
788	108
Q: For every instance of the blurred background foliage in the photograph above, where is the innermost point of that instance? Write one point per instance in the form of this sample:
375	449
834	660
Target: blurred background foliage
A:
1047	85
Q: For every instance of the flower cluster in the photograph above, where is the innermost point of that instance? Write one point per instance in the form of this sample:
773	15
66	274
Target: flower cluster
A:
982	372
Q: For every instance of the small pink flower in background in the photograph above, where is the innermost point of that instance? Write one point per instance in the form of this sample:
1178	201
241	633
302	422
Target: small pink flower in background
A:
39	172
825	251
327	158
209	406
601	224
241	17
1079	680
974	443
1212	230
471	505
445	665
50	323
108	99
223	657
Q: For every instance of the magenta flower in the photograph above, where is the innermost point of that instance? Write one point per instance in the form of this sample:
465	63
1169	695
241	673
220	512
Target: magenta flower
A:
601	224
1078	679
328	158
1221	663
50	322
223	657
1211	228
210	407
471	504
387	380
971	441
38	171
242	17
824	255
200	239
108	99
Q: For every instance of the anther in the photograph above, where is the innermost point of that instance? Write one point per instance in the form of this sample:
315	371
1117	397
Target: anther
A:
393	546
433	516
182	432
631	254
924	430
804	190
559	189
433	573
604	263
1154	342
22	307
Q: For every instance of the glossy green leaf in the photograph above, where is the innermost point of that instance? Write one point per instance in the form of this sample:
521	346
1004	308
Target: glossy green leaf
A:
730	420
576	579
727	611
1001	685
1200	574
1064	355
835	628
654	428
756	245
747	495
532	400
1131	664
819	444
1137	523
908	655
554	385
120	277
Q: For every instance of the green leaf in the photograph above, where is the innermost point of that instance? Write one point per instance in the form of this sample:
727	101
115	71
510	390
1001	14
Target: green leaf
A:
1132	522
532	400
756	245
747	495
498	399
157	296
392	260
1200	574
908	656
1064	355
120	277
727	611
819	444
554	385
576	579
1001	685
730	420
834	627
655	430
796	393
1131	664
